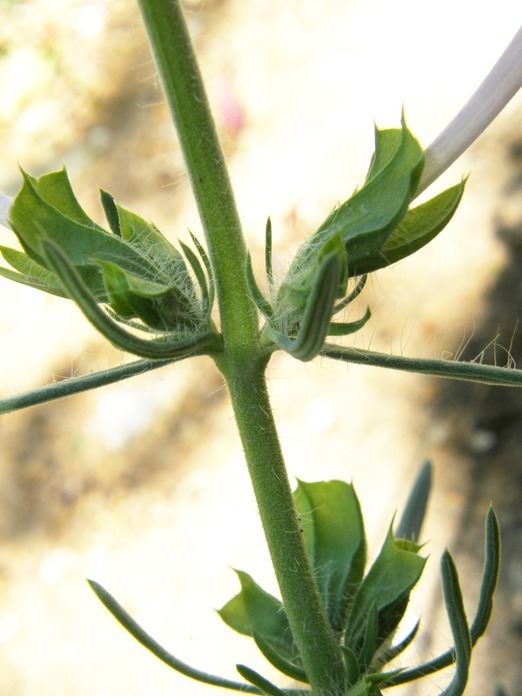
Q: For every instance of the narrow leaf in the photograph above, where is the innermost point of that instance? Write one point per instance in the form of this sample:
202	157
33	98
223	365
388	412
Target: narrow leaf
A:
259	299
489	576
391	653
315	322
351	296
208	268
370	639
124	618
198	272
412	518
265	686
338	328
483	613
458	623
268	254
290	669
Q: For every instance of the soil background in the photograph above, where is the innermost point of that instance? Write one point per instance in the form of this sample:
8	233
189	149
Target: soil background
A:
142	485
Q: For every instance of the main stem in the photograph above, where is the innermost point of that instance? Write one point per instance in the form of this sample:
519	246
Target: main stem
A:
242	361
203	155
303	605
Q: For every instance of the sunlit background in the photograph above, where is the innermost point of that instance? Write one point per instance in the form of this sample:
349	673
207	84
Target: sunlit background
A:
142	485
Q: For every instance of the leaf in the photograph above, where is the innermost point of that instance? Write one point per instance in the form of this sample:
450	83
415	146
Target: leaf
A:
483	613
30	272
314	323
388	584
134	268
76	385
366	219
161	307
208	267
387	142
370	640
257	296
145	238
333	529
390	653
254	611
168	346
265	686
338	328
413	516
35	220
489	576
290	669
419	227
458	623
55	189
130	625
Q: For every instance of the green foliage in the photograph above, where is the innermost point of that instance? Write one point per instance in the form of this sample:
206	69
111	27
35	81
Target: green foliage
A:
335	627
364	608
134	270
371	230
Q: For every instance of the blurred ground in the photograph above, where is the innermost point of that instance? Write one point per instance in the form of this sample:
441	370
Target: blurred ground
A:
142	485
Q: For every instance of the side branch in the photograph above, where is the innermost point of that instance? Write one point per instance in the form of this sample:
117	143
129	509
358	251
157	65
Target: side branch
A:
469	372
76	385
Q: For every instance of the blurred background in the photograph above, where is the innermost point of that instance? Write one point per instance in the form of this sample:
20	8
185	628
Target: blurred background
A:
142	485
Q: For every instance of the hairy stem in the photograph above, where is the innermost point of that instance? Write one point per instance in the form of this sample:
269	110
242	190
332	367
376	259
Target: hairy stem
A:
306	614
206	167
243	360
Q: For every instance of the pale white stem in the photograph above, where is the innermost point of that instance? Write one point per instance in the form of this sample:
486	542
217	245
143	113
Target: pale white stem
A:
501	84
5	204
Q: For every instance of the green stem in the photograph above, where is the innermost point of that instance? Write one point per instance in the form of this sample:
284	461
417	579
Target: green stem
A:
190	110
243	360
306	614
